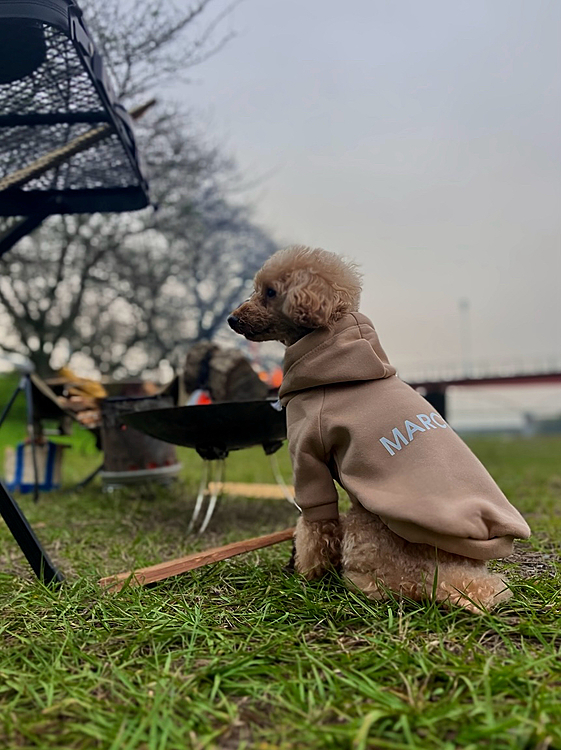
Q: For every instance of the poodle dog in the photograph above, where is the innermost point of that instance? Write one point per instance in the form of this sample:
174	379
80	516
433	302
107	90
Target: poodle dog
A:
425	515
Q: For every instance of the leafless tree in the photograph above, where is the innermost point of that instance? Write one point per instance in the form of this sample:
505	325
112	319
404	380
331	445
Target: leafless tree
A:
146	42
130	290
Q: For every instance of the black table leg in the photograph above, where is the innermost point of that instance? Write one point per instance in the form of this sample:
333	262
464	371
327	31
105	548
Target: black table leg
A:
25	537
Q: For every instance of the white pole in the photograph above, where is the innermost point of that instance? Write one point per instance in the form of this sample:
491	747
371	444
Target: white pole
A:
465	337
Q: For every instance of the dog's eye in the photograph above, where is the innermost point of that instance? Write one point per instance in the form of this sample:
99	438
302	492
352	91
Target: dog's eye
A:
271	293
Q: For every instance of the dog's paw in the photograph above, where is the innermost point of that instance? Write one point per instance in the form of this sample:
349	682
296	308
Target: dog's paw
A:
478	596
318	548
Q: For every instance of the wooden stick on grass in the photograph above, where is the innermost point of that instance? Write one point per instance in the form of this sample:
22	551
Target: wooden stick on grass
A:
190	562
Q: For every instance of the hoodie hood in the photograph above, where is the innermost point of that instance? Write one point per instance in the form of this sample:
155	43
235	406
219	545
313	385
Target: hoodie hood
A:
349	351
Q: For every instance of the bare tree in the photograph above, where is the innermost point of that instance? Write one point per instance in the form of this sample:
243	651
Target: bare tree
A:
130	290
146	42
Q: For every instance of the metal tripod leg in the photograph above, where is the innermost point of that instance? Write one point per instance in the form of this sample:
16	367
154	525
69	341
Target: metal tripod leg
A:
26	539
211	470
85	481
218	483
280	481
200	496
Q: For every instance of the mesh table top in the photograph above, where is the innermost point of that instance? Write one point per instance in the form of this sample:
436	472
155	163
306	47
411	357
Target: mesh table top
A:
65	144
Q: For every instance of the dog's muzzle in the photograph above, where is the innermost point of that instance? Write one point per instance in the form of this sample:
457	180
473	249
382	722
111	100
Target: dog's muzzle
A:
234	322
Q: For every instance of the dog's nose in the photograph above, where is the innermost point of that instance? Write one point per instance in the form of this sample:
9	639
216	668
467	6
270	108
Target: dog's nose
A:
233	320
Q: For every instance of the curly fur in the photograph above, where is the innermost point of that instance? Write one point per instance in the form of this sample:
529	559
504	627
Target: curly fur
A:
312	288
377	561
317	547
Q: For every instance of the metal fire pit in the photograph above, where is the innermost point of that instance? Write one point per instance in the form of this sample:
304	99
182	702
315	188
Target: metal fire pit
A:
215	429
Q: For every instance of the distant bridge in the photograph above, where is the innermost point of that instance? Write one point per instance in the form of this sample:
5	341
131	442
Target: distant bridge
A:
435	380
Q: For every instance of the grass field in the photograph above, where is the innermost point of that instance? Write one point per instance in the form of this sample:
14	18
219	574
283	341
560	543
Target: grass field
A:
243	655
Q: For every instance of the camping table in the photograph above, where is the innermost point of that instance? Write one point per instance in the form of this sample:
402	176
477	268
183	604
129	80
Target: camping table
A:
66	146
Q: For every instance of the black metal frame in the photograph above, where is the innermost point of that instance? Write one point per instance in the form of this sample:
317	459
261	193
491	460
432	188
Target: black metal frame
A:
20	228
66	16
32	203
26	539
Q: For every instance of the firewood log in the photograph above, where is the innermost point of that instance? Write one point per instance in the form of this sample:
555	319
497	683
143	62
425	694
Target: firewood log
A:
164	570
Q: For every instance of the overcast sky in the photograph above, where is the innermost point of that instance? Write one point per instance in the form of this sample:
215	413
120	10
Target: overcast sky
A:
421	139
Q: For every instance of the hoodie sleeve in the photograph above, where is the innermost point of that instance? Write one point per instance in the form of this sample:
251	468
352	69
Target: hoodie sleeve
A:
315	489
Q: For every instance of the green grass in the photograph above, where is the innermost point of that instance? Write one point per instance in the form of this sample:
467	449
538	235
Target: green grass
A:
243	655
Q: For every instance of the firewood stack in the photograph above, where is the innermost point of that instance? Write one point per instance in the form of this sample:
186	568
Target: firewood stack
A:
81	396
225	373
86	409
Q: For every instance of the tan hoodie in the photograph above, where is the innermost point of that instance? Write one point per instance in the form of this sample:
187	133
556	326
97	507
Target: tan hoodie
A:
351	419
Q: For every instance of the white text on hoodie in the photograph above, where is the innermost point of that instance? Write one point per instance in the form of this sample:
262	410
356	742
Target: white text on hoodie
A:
430	422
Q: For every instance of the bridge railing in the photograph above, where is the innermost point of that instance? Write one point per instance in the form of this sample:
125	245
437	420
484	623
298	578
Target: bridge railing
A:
448	371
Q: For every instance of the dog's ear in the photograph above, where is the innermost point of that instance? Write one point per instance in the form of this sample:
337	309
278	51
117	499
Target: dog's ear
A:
310	301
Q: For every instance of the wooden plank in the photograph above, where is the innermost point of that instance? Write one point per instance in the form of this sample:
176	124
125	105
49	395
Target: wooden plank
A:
243	489
164	570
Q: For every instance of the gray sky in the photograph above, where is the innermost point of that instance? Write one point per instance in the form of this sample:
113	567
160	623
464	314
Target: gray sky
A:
420	138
